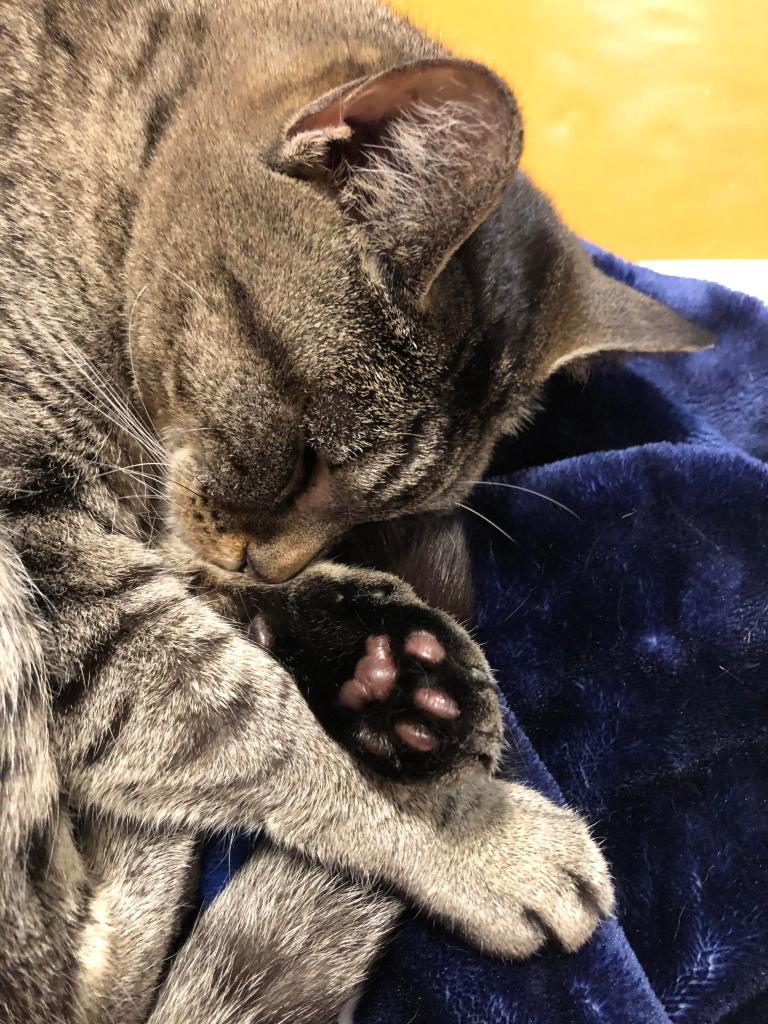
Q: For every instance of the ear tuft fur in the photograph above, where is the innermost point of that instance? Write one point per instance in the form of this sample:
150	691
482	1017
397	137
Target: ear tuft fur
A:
418	156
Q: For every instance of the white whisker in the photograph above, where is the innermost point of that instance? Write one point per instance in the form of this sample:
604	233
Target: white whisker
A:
102	395
526	490
122	417
130	357
468	508
177	277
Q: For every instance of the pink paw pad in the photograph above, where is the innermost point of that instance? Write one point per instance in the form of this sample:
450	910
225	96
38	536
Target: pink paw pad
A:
425	647
416	735
374	675
375	679
436	702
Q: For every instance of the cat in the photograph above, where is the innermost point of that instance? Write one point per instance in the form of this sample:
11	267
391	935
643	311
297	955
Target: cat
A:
268	272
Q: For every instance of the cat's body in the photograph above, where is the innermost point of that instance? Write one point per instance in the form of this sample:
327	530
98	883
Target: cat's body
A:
194	241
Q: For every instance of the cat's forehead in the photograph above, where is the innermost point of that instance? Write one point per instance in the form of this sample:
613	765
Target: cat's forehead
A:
299	259
295	250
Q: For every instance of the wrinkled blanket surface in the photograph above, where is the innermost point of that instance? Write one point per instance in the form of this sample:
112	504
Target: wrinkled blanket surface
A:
628	627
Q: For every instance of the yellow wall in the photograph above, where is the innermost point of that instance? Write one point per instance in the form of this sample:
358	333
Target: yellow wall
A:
647	120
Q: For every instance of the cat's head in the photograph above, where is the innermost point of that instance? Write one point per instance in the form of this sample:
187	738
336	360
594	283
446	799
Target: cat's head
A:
337	309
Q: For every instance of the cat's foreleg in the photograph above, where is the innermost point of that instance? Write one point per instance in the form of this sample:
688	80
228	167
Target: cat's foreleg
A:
165	712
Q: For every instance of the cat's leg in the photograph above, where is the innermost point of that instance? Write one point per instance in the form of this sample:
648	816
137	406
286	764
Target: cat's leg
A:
165	712
287	940
142	885
42	884
87	909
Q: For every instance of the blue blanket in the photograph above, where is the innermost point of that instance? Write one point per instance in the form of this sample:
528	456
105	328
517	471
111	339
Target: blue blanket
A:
628	626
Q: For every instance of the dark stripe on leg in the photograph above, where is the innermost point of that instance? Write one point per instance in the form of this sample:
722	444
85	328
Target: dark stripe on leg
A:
157	31
52	24
71	691
103	744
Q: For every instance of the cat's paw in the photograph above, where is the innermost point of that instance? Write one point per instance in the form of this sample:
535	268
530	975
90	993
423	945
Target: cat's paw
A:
400	684
533	876
411	704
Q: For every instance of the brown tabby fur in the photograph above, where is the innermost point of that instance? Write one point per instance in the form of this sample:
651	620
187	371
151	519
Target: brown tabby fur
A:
232	326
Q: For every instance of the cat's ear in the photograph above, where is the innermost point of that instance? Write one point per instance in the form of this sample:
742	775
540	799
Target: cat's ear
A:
599	314
417	155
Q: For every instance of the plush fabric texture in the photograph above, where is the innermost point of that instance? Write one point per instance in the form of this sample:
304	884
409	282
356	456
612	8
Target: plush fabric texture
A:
628	627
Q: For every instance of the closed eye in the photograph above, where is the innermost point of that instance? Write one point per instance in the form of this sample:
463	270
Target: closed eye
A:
301	475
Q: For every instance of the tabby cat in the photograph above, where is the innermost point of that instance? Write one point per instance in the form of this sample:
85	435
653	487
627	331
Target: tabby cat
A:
268	272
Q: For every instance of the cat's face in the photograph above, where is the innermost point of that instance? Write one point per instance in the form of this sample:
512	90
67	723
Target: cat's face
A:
310	353
298	395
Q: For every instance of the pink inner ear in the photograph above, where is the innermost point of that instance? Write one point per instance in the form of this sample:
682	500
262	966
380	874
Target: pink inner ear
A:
393	92
329	119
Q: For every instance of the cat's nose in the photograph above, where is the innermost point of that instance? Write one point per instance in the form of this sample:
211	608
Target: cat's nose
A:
276	563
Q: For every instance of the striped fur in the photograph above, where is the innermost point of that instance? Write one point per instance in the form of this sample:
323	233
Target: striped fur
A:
231	329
